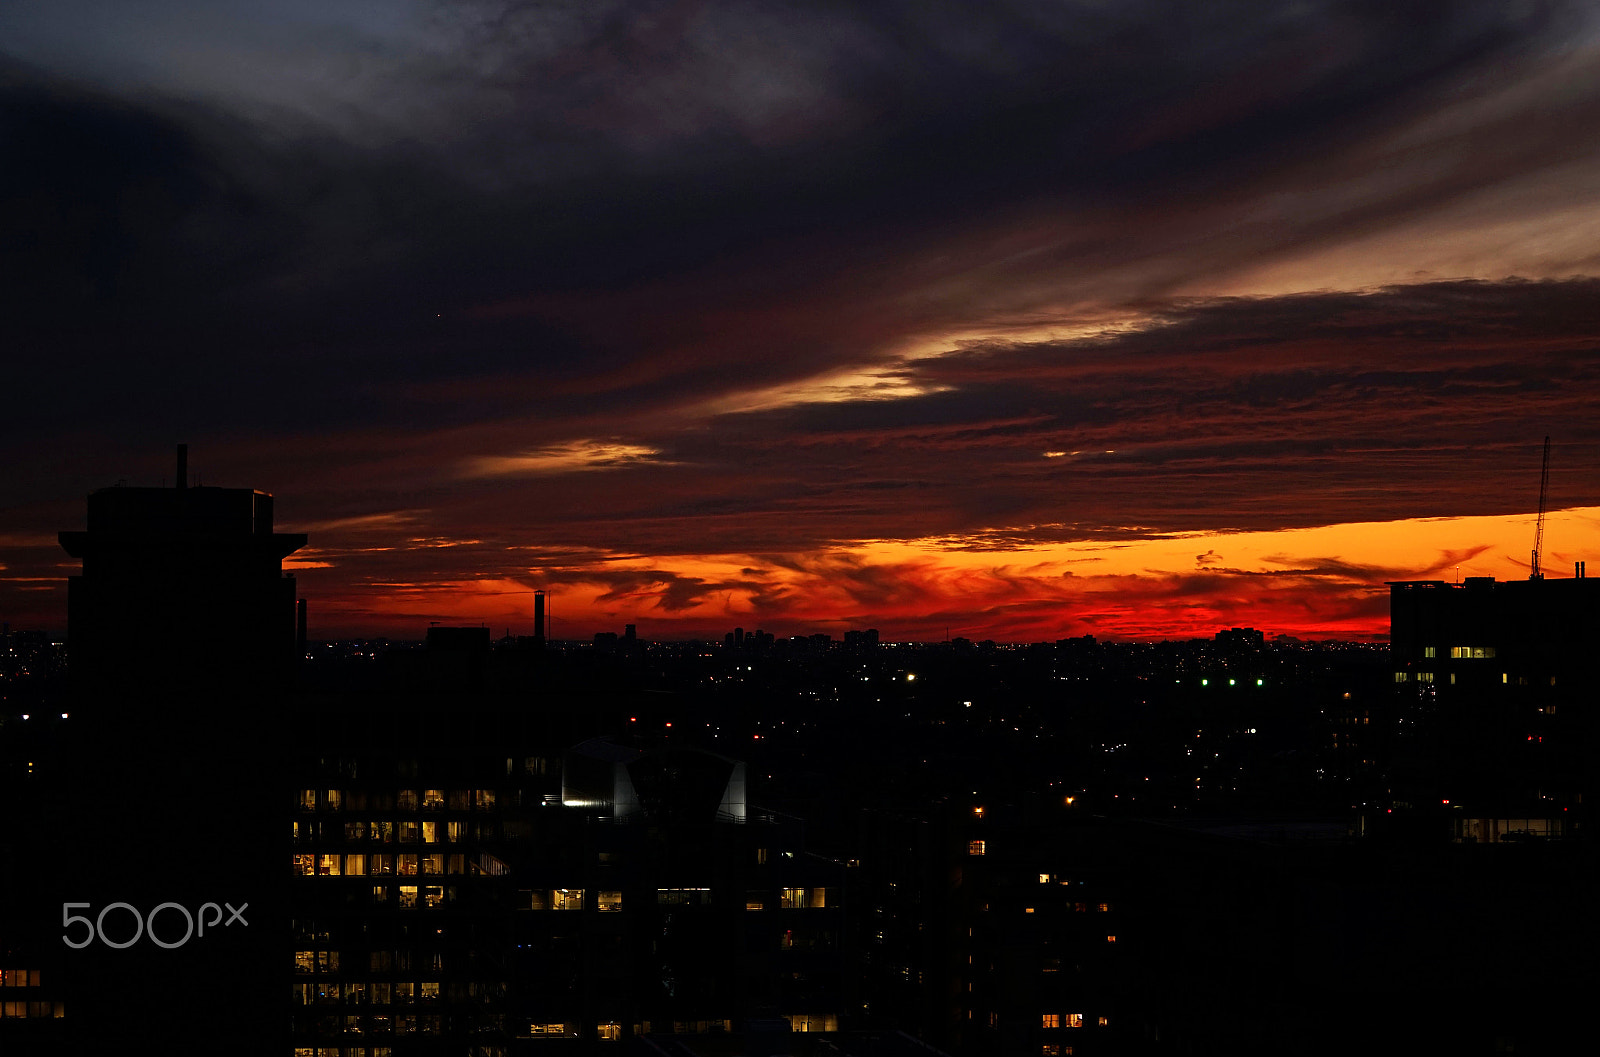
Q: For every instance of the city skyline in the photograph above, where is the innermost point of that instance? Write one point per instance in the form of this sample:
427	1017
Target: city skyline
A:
1018	323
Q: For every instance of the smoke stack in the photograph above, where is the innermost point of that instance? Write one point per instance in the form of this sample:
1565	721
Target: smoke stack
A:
183	466
538	618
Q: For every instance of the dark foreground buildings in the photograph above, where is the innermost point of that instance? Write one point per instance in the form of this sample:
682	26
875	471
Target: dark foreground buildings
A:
507	849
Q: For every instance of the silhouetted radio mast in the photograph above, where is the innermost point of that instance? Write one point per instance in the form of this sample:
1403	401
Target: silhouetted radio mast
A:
1538	532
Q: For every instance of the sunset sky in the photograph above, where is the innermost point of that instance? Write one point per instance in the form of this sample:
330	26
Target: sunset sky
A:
1007	320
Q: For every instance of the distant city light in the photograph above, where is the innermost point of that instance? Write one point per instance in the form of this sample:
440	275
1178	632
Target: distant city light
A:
24	715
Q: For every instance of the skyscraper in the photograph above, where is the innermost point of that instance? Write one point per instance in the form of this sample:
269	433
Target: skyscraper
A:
181	585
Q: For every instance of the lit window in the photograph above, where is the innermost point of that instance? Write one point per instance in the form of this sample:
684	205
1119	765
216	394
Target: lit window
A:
355	865
408	800
1430	652
355	831
1474	653
566	899
1074	1020
976	847
1105	908
608	1032
430	832
1027	910
1050	1020
1111	939
793	898
334	799
380	894
308	800
380	864
1401	677
608	901
453	831
305	865
433	896
1104	1022
483	799
547	1029
432	799
408	896
1044	878
432	864
406	865
409	831
328	865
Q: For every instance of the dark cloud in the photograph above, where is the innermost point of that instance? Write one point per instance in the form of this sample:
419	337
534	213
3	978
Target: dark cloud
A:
350	254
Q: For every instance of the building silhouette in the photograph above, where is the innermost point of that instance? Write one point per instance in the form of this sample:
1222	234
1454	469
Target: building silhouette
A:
181	585
1495	705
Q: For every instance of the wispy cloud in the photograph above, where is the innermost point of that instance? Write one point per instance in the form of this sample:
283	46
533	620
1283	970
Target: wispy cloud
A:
564	458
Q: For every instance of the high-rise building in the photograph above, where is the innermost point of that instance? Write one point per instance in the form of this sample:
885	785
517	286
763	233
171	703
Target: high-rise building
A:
149	821
1495	716
181	586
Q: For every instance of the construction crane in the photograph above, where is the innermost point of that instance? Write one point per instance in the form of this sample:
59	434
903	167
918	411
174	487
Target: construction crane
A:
1538	531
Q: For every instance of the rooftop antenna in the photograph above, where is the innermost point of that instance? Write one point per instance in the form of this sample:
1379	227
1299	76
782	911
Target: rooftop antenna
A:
1538	532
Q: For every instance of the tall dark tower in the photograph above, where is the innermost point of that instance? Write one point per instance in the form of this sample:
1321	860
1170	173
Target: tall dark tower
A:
174	767
181	585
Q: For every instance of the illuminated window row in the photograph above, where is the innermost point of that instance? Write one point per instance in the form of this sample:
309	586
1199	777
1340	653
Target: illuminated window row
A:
316	961
812	1021
19	978
360	864
377	993
808	898
681	1027
409	897
403	800
606	1032
376	1024
45	1010
606	901
386	832
343	1051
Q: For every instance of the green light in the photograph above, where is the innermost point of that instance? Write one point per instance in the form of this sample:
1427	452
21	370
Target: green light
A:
1205	682
1260	682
